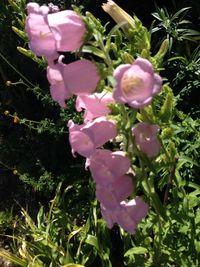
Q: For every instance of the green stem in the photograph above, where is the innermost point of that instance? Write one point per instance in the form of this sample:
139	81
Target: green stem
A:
18	72
107	56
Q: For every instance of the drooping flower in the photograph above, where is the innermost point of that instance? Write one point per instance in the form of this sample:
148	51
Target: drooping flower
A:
57	86
85	138
106	166
112	194
131	213
136	83
95	105
145	136
41	39
80	77
127	214
68	30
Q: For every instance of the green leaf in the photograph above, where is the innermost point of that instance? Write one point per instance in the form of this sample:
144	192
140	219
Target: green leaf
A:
9	256
135	250
93	241
73	265
93	50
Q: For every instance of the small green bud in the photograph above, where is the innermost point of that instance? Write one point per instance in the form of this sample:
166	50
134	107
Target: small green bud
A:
127	58
145	53
163	50
20	33
25	52
167	133
14	5
172	150
167	107
113	47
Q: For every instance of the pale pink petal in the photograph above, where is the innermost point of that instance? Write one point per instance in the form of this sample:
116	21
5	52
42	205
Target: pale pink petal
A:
81	143
136	208
136	83
68	29
111	196
41	40
103	166
96	129
81	77
145	136
57	87
95	105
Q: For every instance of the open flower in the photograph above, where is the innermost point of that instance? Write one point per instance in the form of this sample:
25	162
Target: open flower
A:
85	138
106	166
145	135
95	105
136	83
68	30
41	39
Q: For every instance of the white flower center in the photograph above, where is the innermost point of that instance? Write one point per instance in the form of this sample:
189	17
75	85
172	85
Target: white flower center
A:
131	84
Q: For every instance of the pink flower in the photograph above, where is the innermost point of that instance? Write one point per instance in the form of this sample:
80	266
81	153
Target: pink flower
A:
106	166
145	135
111	195
68	30
41	39
109	216
85	138
95	105
131	213
127	214
136	83
57	87
80	77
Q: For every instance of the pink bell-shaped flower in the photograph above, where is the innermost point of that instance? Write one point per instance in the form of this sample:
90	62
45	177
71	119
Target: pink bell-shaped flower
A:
85	138
131	213
95	105
136	83
68	30
106	166
145	136
111	195
41	39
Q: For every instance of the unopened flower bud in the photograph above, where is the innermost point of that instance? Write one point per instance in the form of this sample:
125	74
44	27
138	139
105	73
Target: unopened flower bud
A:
163	49
8	83
15	119
118	14
15	172
6	112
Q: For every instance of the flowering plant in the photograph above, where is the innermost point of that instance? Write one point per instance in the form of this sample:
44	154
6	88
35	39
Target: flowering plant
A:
120	96
140	150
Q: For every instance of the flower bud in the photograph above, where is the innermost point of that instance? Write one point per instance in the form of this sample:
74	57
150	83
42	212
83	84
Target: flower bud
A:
167	107
8	83
6	112
118	14
15	119
163	50
20	33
